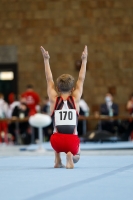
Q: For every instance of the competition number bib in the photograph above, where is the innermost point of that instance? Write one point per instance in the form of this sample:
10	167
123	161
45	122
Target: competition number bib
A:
65	117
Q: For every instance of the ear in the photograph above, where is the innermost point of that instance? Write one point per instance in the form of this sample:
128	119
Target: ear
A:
73	89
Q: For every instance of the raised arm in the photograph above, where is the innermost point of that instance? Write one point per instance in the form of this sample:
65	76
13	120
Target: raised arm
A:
79	85
52	94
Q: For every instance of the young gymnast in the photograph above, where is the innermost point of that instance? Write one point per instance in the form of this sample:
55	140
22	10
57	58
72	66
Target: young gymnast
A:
64	106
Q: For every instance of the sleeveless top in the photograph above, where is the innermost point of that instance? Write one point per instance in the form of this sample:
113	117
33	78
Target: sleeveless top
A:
65	116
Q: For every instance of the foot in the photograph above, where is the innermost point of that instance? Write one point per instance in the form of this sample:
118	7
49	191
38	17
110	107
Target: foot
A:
76	158
59	165
69	161
58	162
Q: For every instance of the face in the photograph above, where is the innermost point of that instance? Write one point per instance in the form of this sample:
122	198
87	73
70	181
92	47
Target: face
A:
23	100
108	97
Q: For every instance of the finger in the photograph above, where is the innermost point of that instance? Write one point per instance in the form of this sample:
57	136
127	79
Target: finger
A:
42	49
85	49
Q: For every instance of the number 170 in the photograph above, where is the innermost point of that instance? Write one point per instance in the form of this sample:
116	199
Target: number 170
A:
65	114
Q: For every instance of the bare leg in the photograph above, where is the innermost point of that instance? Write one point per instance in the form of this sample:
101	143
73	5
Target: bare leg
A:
58	163
69	161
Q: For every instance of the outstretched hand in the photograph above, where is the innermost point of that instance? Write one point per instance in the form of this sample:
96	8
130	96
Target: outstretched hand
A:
45	53
84	54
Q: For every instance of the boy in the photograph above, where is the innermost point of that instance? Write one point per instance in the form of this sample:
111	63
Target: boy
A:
64	107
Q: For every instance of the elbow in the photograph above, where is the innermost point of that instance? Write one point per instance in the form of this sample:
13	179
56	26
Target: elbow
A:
49	79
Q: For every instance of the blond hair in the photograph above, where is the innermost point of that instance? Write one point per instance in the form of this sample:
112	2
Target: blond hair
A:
65	83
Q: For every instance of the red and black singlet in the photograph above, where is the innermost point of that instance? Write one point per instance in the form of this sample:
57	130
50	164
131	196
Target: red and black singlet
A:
65	116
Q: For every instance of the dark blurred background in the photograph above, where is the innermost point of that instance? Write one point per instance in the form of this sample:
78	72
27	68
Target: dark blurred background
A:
63	28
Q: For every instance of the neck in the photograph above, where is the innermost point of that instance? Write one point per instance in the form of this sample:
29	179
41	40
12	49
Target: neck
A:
65	95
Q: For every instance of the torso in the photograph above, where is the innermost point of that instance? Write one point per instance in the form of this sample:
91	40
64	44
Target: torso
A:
65	116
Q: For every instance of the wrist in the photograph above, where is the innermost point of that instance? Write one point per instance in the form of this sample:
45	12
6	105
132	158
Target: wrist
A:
84	60
46	60
46	57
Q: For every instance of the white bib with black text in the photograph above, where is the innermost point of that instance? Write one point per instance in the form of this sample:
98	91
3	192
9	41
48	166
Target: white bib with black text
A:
65	117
